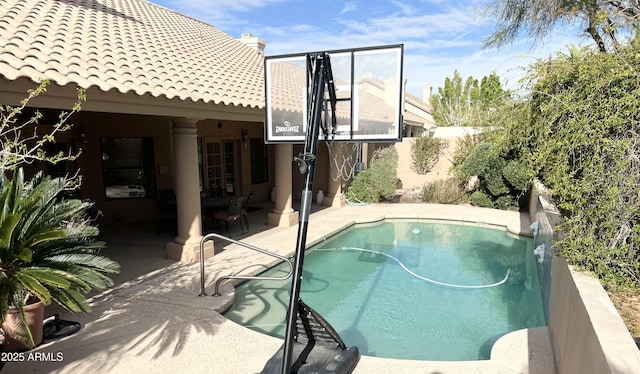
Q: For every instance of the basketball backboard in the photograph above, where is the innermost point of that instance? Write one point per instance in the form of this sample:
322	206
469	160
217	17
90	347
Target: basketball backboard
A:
369	92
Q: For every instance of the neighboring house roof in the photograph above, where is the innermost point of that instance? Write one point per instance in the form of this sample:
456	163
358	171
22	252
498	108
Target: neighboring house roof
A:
417	102
418	112
127	47
410	117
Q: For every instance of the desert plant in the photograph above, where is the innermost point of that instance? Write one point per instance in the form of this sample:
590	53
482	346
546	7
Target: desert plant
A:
47	246
583	143
481	199
446	191
425	153
379	181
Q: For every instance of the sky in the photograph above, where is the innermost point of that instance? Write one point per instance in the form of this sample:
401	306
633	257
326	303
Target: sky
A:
439	36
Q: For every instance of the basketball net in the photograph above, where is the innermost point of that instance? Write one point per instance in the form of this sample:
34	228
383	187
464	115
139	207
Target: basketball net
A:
343	159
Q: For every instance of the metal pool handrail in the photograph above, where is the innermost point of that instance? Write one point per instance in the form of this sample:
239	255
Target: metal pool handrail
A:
231	276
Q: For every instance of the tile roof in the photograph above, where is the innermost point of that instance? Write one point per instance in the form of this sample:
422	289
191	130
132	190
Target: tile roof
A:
127	46
416	101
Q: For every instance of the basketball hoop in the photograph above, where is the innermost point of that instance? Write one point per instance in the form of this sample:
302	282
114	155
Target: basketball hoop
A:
358	93
367	85
345	160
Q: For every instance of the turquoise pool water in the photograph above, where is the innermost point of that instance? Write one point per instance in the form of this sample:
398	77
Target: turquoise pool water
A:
409	290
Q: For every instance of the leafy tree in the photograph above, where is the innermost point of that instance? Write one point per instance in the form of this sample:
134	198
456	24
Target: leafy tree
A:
604	21
491	92
20	141
452	103
468	103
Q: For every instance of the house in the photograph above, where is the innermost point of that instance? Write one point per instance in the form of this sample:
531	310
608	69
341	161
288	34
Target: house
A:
418	114
172	103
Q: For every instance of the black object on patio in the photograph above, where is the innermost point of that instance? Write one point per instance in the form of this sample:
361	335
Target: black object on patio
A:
317	346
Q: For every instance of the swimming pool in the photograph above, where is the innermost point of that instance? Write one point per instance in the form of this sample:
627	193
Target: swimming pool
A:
419	290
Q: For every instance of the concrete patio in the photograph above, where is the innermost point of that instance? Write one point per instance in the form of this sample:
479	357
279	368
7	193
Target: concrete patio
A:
154	321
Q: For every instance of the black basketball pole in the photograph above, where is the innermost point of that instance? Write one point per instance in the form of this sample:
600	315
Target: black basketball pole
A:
320	74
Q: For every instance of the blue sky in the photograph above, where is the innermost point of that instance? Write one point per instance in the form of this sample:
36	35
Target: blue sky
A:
439	36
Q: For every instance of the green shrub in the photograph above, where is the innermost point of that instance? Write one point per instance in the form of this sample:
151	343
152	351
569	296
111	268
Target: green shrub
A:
464	146
581	140
506	202
493	179
502	178
446	191
379	181
481	199
425	153
518	175
361	189
479	160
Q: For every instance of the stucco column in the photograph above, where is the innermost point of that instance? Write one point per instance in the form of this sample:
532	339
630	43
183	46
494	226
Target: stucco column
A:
283	213
335	183
186	246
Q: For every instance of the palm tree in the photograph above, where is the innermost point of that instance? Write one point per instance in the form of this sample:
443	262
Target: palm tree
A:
47	247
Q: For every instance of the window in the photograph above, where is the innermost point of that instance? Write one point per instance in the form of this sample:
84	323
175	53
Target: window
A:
259	162
128	167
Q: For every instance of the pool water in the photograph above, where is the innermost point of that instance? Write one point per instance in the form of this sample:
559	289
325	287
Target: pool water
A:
409	290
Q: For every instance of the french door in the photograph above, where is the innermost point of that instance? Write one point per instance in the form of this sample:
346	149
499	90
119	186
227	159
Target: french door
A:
222	166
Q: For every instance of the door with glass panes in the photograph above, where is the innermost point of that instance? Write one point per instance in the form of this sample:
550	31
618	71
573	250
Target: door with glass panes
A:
222	166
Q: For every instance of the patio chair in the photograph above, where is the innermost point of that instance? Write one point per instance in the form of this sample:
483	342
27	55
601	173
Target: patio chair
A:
317	347
244	210
216	192
231	214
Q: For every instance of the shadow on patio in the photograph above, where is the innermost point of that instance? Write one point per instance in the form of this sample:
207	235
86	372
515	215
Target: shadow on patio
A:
153	314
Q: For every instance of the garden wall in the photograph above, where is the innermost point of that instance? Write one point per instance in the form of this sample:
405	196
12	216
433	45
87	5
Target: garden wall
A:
587	333
440	171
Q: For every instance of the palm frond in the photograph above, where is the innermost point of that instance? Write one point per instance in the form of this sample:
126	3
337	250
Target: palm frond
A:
101	263
70	278
71	300
43	236
34	286
47	250
7	290
96	271
50	277
9	223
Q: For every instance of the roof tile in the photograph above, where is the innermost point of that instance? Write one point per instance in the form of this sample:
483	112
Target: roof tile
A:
127	45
